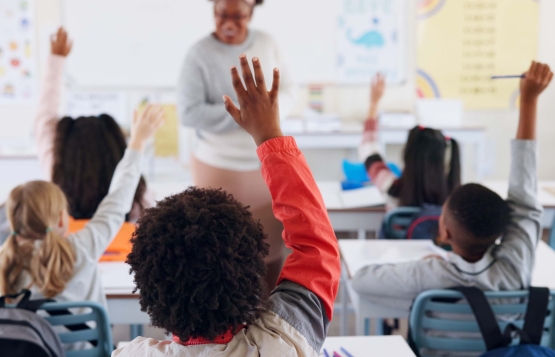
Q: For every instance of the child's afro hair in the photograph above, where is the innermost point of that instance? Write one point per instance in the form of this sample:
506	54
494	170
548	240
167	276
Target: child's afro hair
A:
198	261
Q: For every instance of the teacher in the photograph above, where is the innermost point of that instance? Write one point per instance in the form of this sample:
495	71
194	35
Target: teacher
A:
224	155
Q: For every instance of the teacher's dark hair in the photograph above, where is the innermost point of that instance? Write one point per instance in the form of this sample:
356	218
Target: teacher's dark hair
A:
86	153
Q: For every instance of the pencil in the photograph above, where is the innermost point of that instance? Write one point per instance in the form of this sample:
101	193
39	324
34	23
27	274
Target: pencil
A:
345	352
326	353
507	77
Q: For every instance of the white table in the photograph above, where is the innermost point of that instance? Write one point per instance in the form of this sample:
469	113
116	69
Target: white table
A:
356	254
362	346
351	136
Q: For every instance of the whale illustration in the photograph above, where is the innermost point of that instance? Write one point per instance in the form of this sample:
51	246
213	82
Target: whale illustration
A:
369	39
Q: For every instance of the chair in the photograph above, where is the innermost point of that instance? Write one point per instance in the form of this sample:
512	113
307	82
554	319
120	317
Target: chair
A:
93	312
552	235
397	222
441	320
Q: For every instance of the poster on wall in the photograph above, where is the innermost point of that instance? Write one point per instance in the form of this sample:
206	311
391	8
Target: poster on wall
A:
461	44
17	52
371	38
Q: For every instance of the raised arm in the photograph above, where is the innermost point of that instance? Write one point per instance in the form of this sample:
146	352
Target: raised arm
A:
49	102
524	230
194	109
314	263
368	151
110	215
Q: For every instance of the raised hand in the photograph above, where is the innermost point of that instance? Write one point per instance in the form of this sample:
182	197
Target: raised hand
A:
377	89
145	125
532	85
535	81
259	113
60	45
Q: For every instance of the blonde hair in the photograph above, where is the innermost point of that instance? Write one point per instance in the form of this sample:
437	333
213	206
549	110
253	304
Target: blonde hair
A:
34	209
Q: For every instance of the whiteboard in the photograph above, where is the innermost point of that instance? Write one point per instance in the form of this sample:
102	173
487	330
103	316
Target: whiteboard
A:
142	43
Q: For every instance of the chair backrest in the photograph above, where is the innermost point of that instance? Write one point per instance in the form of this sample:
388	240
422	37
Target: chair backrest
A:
552	235
90	313
442	320
397	222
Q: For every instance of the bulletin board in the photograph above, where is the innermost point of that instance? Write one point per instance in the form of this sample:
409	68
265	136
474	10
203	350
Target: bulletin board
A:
462	43
17	52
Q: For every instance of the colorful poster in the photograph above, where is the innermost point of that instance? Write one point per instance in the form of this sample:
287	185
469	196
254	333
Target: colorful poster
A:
17	52
371	38
462	43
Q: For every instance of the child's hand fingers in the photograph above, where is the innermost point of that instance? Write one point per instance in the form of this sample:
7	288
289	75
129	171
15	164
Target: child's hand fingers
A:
259	76
549	78
274	93
237	83
247	74
160	119
232	109
545	72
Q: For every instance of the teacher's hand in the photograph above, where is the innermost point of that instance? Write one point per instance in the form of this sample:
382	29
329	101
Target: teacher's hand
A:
259	113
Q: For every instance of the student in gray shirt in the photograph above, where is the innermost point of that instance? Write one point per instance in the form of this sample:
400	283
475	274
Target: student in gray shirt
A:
473	220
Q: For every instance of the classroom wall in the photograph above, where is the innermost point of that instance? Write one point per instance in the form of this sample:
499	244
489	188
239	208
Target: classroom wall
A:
351	102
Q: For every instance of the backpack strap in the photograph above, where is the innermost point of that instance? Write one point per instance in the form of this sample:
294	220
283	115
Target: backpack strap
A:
485	317
536	311
24	300
34	306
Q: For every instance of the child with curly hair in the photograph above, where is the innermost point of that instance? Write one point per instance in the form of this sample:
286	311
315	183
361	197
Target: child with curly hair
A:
198	256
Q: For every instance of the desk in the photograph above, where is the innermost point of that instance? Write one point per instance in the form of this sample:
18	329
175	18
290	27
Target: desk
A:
351	136
123	305
354	257
359	346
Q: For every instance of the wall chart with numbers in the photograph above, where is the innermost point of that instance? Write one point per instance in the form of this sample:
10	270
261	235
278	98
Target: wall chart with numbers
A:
17	47
462	43
371	37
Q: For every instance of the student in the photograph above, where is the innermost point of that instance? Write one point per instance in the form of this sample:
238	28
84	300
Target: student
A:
473	219
432	163
198	256
79	155
40	256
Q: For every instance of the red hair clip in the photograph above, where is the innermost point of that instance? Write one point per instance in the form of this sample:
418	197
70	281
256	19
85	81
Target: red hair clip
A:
421	127
447	138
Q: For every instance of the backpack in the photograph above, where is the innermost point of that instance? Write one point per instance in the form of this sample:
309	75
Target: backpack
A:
425	225
24	333
499	344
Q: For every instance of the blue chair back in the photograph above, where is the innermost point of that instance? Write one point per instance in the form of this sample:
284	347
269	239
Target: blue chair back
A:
552	235
397	222
92	312
442	320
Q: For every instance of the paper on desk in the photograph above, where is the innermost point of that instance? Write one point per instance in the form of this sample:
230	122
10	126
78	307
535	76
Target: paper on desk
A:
115	276
336	198
362	197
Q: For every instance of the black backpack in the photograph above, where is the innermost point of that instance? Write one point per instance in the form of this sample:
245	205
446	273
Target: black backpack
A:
499	344
24	333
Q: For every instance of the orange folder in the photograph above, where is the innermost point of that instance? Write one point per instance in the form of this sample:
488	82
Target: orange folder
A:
120	247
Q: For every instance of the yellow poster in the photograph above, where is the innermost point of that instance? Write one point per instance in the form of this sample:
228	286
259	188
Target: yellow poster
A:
462	43
166	139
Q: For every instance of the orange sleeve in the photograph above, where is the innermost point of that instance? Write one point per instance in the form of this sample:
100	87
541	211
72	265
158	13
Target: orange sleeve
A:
298	204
